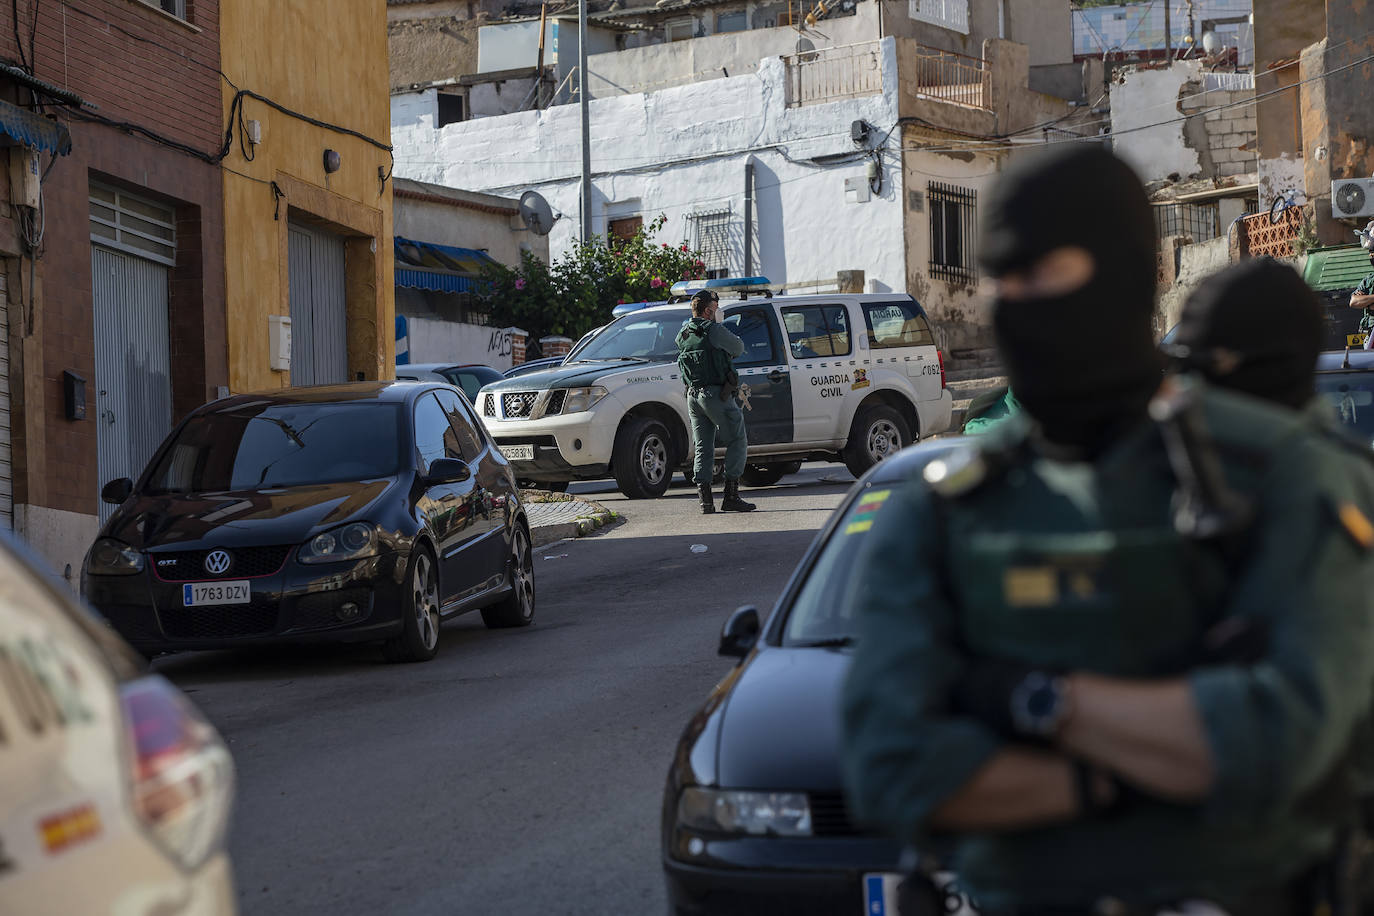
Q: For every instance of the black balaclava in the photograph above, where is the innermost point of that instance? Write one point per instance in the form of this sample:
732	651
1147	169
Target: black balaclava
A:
1255	328
1083	364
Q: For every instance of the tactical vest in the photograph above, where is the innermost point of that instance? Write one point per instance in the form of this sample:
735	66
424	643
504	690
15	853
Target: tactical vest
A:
700	363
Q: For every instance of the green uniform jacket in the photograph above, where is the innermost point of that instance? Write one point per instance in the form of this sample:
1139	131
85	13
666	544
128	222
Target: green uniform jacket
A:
1077	567
1364	289
706	351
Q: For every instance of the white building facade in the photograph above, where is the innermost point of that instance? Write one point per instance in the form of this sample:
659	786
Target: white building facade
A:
683	152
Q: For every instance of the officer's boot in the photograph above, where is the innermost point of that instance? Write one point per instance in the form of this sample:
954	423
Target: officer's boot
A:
708	505
732	502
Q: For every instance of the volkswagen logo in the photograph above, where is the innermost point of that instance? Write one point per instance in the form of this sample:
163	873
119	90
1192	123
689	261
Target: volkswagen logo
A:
217	562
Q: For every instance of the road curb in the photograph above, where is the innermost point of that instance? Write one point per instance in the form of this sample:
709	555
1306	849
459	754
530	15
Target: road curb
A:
574	517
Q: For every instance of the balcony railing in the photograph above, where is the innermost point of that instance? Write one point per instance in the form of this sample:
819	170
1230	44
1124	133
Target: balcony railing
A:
951	77
831	74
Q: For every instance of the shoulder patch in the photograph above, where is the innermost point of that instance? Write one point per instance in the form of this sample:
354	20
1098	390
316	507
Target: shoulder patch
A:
957	474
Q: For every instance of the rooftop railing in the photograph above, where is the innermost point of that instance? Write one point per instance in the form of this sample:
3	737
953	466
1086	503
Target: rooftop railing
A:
951	77
832	74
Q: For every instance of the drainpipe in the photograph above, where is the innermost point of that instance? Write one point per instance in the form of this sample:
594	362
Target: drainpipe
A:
749	217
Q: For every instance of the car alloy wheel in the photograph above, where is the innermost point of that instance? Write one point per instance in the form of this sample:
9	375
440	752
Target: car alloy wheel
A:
425	586
653	458
517	608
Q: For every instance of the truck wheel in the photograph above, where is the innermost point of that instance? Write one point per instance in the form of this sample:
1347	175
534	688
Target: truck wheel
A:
641	459
878	432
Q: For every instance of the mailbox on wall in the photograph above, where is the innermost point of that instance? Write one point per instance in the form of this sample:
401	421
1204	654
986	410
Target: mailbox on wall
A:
74	395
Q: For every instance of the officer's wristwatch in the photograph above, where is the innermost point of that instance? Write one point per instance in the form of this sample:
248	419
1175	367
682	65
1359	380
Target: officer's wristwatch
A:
1040	704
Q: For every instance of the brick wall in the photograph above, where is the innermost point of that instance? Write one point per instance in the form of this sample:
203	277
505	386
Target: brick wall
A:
140	66
1231	133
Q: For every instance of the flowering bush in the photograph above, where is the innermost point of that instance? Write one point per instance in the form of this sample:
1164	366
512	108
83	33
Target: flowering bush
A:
578	290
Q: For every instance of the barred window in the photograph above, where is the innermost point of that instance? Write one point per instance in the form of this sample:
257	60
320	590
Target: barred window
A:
711	236
1199	221
953	230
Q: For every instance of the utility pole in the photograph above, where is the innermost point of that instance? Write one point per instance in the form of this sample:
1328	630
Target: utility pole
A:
539	69
1168	37
586	135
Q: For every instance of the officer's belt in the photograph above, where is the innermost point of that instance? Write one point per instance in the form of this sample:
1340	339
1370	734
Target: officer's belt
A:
704	389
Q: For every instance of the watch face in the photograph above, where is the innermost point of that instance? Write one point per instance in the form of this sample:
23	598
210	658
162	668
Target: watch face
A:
1038	704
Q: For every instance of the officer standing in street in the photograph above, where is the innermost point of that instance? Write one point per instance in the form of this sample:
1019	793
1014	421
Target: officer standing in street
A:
706	353
1115	645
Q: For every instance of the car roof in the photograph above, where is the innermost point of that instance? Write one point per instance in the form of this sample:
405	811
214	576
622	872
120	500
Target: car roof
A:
1345	361
356	392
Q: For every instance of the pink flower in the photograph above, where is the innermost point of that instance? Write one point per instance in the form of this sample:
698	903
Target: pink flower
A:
620	302
519	282
699	264
665	245
655	283
684	246
627	271
686	275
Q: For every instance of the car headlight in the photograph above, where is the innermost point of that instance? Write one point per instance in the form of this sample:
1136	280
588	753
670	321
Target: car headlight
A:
351	542
109	557
579	399
759	813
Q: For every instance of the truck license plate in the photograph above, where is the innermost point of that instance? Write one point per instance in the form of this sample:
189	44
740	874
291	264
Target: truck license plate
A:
236	591
518	452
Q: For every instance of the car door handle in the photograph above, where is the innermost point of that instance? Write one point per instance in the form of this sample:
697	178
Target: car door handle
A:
777	376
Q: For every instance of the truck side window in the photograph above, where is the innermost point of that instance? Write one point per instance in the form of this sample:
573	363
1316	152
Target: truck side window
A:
756	327
817	330
896	324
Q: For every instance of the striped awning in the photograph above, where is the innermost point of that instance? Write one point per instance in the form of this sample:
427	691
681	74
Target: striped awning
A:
440	268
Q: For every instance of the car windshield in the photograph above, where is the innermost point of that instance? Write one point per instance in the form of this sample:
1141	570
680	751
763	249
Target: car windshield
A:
1350	395
819	615
638	336
280	445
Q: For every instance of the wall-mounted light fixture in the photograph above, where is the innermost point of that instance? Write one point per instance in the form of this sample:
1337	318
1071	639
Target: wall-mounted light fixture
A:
332	162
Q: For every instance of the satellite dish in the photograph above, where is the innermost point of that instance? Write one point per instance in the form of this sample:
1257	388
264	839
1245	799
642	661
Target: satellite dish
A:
804	45
536	213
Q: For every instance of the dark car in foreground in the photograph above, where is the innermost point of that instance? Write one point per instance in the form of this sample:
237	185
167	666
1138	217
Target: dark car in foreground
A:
754	820
358	512
1345	381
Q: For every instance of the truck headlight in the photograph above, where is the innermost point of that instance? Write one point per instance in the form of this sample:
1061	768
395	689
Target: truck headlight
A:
758	813
579	399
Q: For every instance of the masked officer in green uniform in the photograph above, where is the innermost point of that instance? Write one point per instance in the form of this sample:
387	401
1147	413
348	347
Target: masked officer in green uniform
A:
706	353
1116	678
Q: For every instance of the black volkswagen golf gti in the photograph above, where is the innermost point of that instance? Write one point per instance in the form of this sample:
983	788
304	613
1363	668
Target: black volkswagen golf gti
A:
368	511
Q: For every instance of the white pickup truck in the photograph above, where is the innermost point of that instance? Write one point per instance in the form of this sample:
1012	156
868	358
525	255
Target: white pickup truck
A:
849	378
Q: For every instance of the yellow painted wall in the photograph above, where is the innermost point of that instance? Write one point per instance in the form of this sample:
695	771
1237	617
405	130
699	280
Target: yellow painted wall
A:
313	59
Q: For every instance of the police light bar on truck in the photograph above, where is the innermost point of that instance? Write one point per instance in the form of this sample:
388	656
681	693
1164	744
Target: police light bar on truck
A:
626	308
744	286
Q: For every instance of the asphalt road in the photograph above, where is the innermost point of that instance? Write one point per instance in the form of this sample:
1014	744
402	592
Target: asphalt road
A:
521	771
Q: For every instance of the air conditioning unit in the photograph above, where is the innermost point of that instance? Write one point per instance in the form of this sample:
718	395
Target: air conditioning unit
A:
1352	198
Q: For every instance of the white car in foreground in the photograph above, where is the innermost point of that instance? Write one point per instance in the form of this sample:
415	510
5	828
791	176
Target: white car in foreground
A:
114	792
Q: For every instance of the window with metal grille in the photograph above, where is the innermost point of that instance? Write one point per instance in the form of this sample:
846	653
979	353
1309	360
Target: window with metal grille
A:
134	224
953	228
176	7
1198	221
711	237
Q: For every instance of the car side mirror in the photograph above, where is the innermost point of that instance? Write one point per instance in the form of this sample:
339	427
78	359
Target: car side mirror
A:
116	491
740	632
448	470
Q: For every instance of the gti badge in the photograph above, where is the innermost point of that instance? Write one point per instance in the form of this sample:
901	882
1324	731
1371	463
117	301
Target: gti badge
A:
217	562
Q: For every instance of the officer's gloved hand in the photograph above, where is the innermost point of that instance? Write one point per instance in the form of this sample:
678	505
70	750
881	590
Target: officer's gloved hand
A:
984	692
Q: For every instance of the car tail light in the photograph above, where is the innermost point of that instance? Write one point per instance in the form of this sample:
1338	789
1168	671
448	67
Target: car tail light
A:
183	777
941	354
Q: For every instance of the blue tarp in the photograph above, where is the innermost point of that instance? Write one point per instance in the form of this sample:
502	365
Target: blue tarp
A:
34	130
